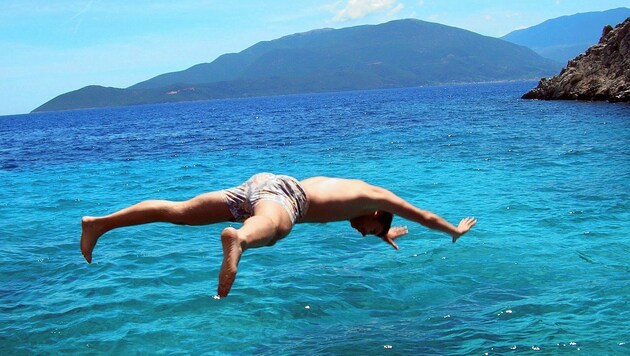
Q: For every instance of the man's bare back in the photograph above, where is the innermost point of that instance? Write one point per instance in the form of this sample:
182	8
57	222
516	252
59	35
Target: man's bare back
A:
336	199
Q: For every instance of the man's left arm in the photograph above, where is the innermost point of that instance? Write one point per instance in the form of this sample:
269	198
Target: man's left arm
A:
394	204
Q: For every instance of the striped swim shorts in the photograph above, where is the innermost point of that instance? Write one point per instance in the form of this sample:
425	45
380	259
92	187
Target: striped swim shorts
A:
281	189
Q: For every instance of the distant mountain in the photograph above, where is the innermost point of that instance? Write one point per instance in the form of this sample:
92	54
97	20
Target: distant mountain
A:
400	53
563	38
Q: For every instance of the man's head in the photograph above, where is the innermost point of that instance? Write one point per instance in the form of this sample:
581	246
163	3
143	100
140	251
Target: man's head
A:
376	223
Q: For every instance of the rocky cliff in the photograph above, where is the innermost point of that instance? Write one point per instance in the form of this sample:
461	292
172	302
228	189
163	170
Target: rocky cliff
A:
601	73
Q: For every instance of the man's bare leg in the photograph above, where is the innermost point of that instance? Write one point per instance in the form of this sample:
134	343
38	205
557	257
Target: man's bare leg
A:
91	230
271	224
204	209
233	248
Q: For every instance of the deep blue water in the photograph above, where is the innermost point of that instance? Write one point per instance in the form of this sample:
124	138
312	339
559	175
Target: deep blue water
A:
545	270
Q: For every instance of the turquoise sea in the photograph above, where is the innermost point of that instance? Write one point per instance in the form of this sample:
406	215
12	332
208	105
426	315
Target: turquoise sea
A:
546	270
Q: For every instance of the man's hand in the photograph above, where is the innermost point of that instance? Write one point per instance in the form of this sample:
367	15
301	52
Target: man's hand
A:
463	227
393	234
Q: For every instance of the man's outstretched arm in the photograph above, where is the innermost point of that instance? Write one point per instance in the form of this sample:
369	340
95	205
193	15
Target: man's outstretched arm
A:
394	204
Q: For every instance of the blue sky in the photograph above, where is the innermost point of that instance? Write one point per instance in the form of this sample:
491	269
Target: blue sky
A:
48	48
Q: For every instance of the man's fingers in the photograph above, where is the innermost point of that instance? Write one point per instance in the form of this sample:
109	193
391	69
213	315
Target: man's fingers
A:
471	222
467	223
391	242
394	233
464	226
398	231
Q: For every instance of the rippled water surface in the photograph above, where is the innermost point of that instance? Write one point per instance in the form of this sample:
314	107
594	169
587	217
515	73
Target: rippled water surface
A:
546	268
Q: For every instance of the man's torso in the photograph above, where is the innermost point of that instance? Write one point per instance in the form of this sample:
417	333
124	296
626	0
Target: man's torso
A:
335	199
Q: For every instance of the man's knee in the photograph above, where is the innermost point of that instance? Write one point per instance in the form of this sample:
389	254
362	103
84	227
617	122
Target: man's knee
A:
278	229
279	235
282	230
276	215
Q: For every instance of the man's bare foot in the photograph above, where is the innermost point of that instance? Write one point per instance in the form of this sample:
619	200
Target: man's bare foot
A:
232	251
463	227
89	235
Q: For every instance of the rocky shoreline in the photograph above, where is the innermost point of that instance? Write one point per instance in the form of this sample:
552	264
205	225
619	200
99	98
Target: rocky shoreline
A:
602	73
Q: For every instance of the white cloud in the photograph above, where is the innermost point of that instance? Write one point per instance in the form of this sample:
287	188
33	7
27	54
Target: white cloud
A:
356	9
395	10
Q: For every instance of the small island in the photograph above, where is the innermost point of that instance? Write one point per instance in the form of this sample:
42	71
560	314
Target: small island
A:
602	73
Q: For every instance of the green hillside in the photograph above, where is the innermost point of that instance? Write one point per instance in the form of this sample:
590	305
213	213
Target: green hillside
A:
400	53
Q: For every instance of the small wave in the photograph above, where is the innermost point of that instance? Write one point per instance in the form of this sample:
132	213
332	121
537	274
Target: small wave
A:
9	166
585	257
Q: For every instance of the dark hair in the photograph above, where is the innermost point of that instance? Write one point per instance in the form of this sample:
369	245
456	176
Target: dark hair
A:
385	218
